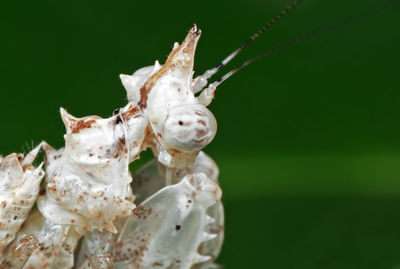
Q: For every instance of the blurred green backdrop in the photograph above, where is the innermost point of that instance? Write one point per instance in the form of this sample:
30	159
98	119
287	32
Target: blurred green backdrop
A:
309	137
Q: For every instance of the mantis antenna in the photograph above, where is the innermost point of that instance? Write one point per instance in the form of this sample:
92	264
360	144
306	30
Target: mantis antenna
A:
207	94
324	28
201	81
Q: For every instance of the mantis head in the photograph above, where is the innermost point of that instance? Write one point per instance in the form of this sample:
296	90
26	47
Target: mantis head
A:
180	123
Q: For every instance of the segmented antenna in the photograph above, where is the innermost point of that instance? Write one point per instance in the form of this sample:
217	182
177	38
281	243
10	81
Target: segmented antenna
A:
294	41
209	73
259	56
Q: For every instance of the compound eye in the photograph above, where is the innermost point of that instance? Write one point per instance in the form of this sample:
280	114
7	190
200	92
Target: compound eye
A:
189	127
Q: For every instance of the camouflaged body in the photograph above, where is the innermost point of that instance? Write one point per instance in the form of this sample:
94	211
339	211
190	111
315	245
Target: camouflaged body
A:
91	213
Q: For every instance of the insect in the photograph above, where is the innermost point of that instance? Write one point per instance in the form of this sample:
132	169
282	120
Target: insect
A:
18	191
170	215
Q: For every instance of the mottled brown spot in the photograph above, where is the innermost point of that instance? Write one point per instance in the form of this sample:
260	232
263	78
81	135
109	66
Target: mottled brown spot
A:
80	125
141	212
131	112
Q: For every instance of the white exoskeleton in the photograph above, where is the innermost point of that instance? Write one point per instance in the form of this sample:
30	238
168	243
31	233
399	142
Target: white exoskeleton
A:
168	215
173	226
88	182
19	188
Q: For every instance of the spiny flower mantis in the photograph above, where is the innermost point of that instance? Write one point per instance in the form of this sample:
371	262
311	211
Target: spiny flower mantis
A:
168	215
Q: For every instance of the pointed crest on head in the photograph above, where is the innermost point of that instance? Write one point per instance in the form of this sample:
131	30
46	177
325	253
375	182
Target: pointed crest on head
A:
177	70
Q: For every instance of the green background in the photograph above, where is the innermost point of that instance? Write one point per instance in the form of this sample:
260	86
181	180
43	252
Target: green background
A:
309	138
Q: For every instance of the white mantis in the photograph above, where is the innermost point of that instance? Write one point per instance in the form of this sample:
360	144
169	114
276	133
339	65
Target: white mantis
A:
169	216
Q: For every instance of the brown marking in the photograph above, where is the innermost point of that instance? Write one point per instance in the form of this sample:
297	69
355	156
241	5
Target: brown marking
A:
128	199
141	212
200	133
121	147
198	113
145	89
118	120
216	230
42	191
81	124
187	47
131	112
202	122
28	166
17	251
173	151
52	188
